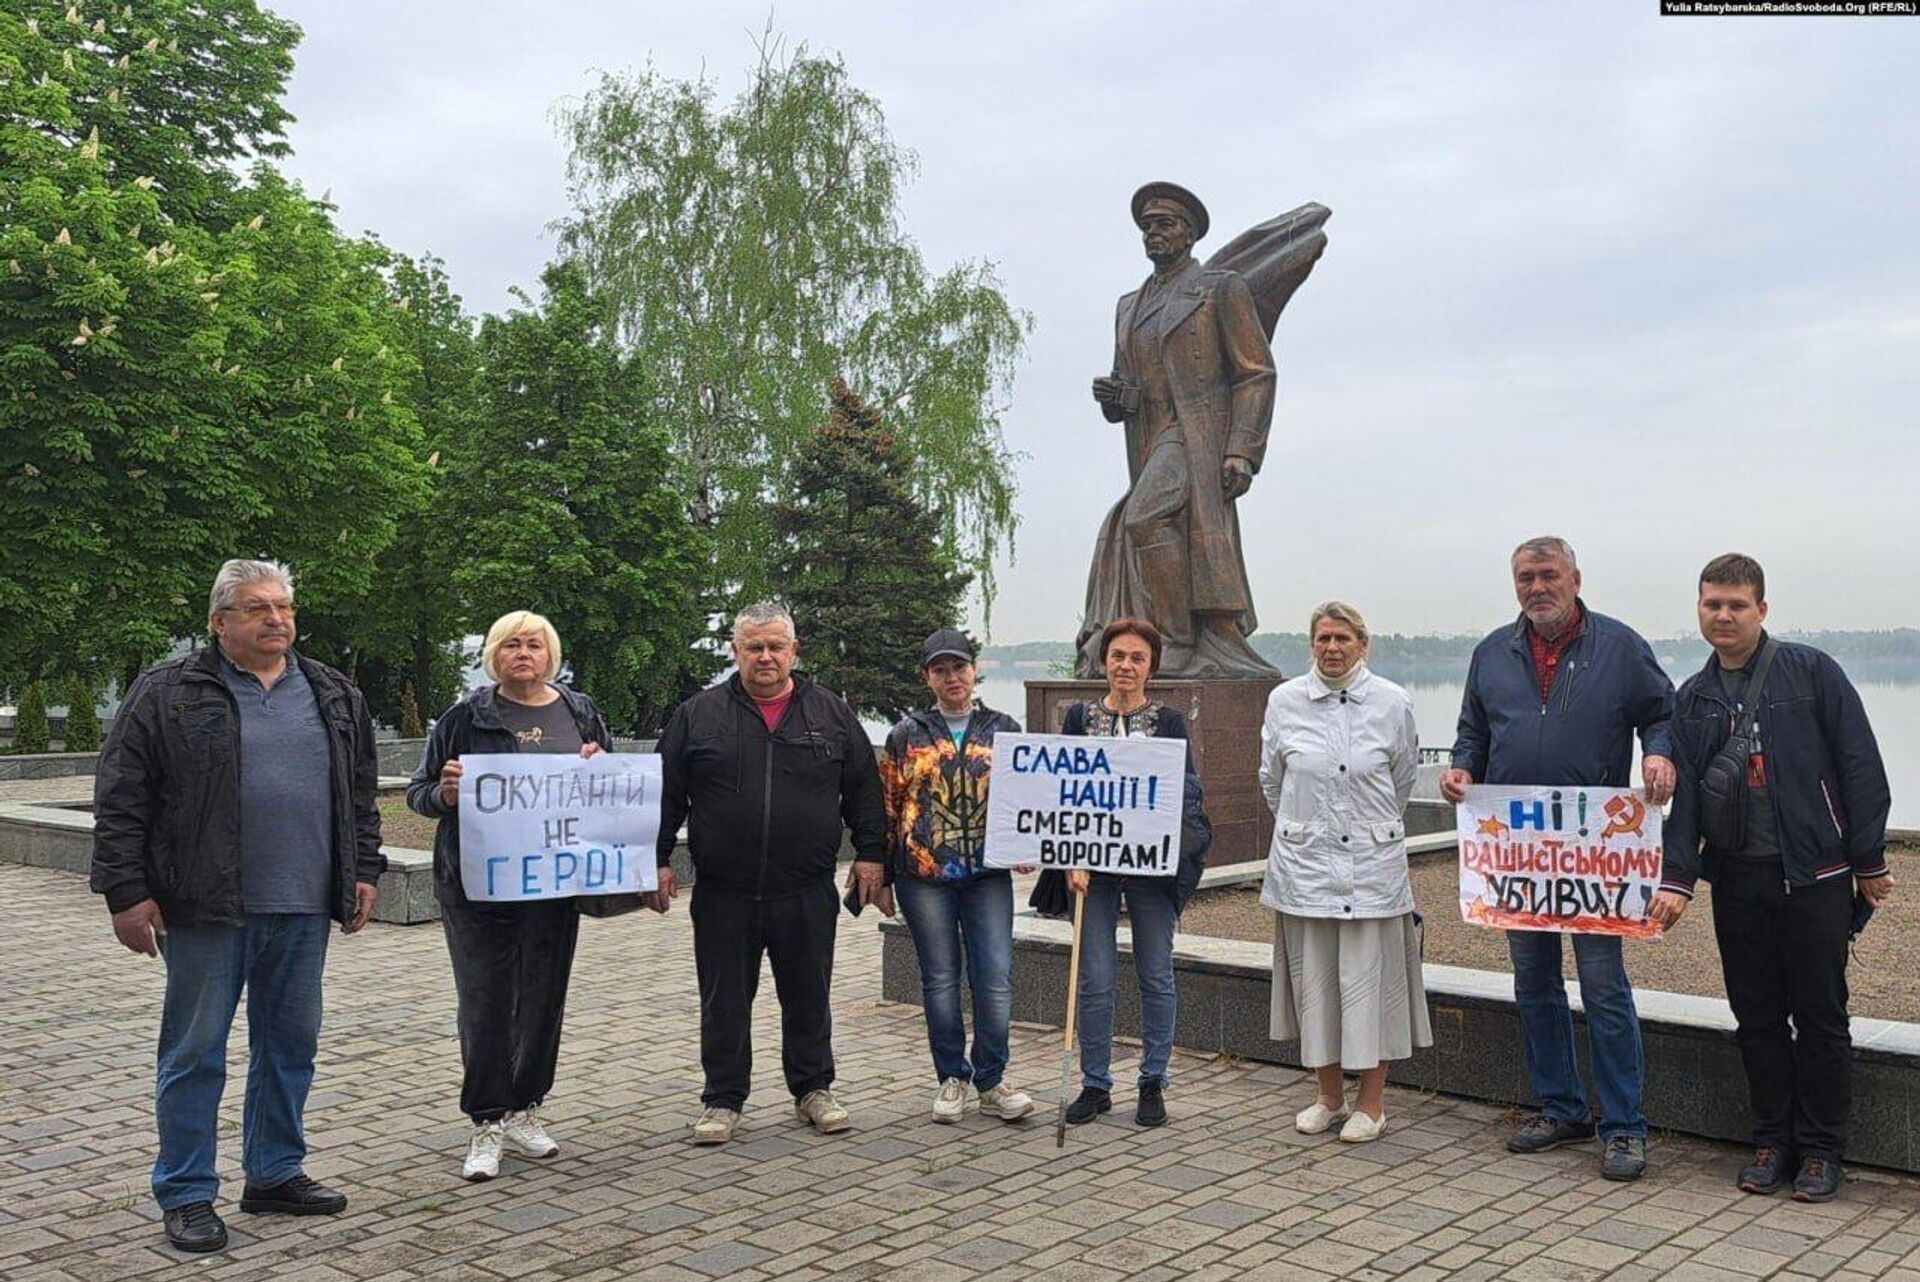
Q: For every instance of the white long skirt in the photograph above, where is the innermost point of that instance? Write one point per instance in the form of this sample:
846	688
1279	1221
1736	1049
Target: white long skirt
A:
1350	991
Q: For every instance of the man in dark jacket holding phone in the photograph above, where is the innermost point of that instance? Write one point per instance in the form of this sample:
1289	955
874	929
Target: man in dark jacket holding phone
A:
1793	837
234	819
765	768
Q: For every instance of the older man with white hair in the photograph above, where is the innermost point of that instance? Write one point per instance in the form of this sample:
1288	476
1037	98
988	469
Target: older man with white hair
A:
234	815
766	767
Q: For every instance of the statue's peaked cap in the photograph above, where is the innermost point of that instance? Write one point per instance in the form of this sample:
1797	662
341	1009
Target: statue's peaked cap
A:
1196	212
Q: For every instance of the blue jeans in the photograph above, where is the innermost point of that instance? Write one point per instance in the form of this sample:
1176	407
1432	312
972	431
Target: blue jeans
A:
947	918
1546	1024
1152	917
278	958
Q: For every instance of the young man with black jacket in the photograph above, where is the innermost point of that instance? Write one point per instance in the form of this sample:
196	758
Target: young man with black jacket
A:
765	768
1792	836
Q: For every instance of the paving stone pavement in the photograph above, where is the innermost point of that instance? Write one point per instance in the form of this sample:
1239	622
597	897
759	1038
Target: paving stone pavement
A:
1227	1191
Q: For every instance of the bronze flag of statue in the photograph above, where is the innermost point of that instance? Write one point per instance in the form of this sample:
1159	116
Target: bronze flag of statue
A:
1193	381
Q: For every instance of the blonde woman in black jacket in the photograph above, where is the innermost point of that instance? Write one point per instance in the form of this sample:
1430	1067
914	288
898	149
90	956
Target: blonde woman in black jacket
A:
511	961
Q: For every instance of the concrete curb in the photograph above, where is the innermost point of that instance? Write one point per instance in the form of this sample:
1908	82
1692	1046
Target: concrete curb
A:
1694	1079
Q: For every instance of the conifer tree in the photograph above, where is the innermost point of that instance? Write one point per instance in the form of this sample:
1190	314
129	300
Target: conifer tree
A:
862	564
83	723
30	721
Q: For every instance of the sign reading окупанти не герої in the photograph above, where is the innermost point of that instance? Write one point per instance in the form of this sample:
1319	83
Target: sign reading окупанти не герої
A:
535	826
1068	801
1575	859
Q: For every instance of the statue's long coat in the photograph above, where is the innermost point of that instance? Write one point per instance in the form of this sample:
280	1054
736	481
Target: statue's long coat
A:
1219	368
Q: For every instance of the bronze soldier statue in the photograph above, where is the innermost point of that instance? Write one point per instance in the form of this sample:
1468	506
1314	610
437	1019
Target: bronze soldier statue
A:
1193	381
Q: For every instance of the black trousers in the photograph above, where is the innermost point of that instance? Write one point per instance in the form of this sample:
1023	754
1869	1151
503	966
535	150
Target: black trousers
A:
511	964
731	931
1784	957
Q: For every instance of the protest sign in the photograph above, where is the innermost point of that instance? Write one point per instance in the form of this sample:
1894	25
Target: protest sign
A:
538	826
1575	859
1068	801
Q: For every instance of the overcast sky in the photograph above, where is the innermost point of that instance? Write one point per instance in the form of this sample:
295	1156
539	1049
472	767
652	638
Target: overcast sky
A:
1651	283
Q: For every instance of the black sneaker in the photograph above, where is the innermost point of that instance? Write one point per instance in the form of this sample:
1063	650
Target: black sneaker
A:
1767	1172
195	1227
1819	1180
1091	1103
297	1196
1152	1109
1625	1158
1541	1133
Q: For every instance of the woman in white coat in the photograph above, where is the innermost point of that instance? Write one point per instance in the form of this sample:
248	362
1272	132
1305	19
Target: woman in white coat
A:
1338	758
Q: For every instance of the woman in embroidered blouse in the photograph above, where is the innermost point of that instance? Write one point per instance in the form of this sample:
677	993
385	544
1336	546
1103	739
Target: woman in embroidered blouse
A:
1131	649
1338	758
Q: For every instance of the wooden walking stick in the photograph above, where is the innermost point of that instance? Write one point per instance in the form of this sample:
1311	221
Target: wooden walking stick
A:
1073	1009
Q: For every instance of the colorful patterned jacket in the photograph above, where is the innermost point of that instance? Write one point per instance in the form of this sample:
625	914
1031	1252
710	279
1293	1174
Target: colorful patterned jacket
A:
936	794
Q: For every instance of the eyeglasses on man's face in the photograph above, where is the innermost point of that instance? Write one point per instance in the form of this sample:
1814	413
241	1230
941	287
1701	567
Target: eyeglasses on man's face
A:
264	609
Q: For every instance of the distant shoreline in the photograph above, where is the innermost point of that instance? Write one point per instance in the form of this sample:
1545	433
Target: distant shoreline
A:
1885	657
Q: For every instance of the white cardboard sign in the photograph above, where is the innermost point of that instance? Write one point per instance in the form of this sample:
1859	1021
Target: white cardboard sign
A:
1073	801
1574	859
541	826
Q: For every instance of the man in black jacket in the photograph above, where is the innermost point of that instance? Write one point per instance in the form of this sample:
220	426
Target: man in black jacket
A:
766	767
1795	838
234	815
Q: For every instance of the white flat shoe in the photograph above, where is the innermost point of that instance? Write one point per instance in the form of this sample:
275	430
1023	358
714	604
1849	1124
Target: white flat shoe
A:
1360	1128
1318	1118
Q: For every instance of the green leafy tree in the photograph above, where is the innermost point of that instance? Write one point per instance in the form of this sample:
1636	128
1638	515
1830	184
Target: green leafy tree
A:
171	392
754	252
83	719
447	395
102	341
30	733
404	631
329	440
861	563
180	93
562	497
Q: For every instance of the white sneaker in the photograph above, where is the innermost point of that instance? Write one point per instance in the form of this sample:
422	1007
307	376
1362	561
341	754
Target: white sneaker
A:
1360	1128
715	1126
1318	1118
525	1134
483	1152
822	1112
1005	1103
950	1104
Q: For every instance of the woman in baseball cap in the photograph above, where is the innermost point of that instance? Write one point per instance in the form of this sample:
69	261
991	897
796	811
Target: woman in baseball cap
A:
934	776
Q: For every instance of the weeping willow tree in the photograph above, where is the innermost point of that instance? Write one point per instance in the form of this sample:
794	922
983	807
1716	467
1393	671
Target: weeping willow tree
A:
753	252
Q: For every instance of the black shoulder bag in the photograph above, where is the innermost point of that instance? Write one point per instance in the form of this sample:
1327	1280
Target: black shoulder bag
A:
1723	784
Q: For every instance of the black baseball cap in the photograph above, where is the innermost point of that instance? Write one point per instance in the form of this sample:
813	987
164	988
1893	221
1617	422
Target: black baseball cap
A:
946	643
